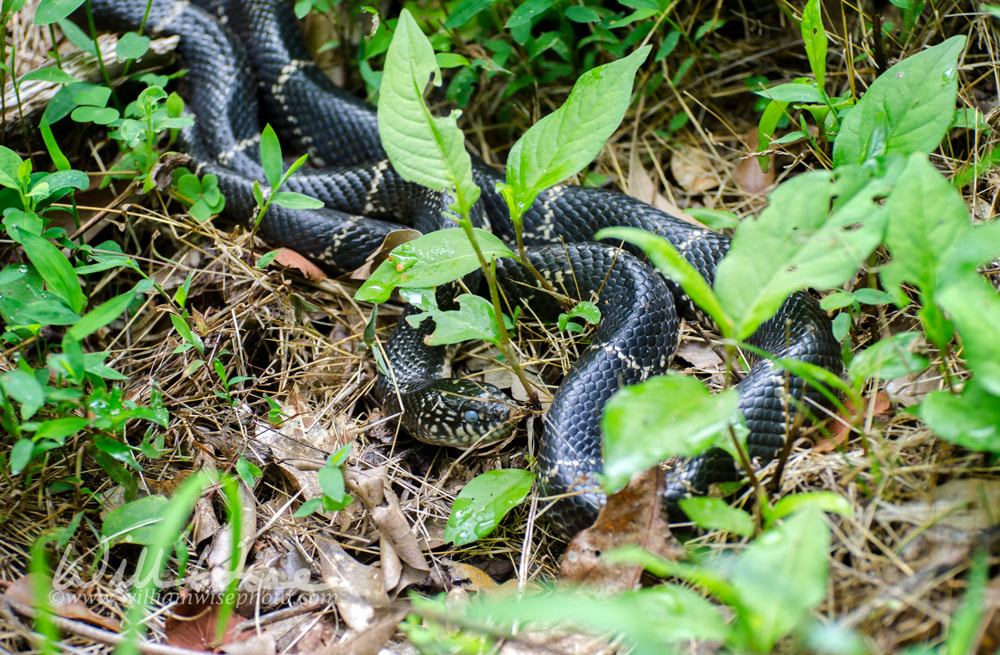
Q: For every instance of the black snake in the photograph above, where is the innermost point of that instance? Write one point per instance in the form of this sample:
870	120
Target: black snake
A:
246	57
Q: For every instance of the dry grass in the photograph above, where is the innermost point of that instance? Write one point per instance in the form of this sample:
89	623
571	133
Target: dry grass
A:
894	575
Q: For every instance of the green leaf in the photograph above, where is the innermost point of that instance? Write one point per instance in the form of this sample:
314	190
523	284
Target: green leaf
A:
132	46
9	163
293	200
585	311
135	522
907	109
267	258
80	39
59	428
807	245
815	39
581	14
422	148
465	11
49	74
484	501
792	92
20	455
667	415
528	13
780	577
65	180
25	389
474	320
826	501
331	481
887	359
270	156
671	263
50	11
650	620
101	315
974	306
562	143
716	514
430	260
54	268
716	219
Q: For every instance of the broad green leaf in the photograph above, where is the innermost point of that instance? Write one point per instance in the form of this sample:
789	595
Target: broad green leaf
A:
971	420
716	219
806	246
50	11
974	306
581	14
667	415
58	429
423	148
792	93
25	389
650	620
483	502
9	163
887	359
474	320
814	36
671	263
562	143
270	156
134	522
927	231
65	180
716	514
780	577
433	259
54	268
907	109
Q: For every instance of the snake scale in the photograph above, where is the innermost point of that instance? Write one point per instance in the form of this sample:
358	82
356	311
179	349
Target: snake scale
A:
246	59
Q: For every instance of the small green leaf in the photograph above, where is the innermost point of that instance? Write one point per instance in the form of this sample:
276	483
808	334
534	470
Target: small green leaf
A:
815	39
50	11
49	74
101	315
465	11
664	416
270	156
716	514
528	13
294	200
430	260
58	429
581	14
792	93
826	501
132	46
25	389
20	455
586	311
267	258
54	268
887	359
483	502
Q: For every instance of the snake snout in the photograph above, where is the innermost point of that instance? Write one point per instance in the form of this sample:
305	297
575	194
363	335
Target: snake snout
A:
461	413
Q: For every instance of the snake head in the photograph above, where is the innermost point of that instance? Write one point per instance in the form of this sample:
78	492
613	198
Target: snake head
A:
460	413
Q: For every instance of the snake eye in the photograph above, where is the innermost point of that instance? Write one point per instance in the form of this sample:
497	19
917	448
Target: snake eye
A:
472	416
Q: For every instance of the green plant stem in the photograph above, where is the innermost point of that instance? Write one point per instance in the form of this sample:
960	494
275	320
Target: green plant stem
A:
55	50
489	270
523	254
759	492
100	57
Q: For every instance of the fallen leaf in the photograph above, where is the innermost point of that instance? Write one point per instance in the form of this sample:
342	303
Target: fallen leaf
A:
291	259
632	516
748	175
692	169
358	589
844	424
965	505
63	602
372	639
393	239
193	620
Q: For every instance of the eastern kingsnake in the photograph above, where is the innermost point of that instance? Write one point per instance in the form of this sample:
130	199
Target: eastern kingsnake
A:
253	59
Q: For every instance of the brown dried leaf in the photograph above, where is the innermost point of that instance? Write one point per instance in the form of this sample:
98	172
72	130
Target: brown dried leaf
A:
291	259
63	602
693	170
631	517
192	624
748	175
372	639
393	239
358	589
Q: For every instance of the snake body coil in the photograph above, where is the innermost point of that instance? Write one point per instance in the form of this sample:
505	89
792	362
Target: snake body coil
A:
247	55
